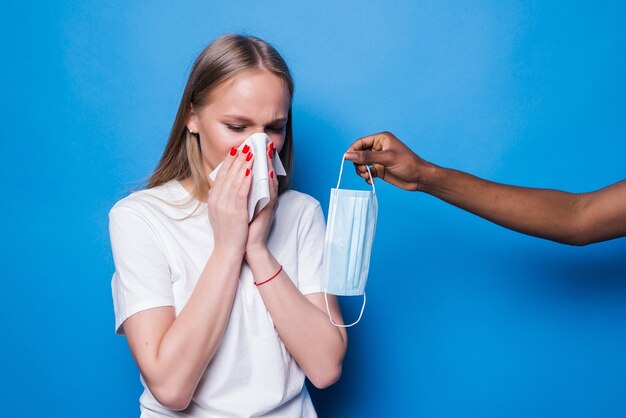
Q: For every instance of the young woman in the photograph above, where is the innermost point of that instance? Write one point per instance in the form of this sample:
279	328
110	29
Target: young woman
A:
225	318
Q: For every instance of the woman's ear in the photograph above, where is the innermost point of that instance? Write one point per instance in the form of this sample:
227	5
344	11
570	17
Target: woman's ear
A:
192	121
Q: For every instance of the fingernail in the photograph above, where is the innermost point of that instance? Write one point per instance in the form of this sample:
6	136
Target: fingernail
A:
350	155
249	157
233	151
271	146
270	153
245	149
247	172
271	174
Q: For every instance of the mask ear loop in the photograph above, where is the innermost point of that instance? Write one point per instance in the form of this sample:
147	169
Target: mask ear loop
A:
330	316
341	325
343	160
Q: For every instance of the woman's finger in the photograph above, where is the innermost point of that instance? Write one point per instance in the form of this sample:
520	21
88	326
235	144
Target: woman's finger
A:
272	173
226	164
234	176
245	179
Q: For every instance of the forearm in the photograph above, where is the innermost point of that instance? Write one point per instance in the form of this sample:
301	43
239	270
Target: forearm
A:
544	213
317	346
190	342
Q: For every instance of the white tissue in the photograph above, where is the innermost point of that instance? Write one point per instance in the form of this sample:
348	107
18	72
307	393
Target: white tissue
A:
259	195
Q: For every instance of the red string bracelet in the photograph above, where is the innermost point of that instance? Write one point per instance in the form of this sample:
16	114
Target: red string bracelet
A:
271	278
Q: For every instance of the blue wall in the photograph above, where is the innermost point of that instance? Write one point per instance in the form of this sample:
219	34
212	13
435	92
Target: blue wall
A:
464	318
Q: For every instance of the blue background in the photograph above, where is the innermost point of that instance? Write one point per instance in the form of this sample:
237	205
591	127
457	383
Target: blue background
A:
464	318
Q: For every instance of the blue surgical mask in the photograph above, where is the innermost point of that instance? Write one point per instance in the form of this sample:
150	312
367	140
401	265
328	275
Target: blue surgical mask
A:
348	243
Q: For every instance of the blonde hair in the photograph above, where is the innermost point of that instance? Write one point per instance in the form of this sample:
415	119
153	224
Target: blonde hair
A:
218	62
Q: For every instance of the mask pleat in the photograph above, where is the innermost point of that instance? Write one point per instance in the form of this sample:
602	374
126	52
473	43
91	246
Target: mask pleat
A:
349	237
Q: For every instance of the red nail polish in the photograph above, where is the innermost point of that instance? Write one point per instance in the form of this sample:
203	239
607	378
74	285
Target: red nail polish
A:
249	157
271	146
270	153
233	151
247	172
272	174
245	149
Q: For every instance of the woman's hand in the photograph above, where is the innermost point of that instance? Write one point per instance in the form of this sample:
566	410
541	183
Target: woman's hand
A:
260	227
228	202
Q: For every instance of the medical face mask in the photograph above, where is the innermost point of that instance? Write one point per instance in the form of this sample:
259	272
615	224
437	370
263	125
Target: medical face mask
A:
348	243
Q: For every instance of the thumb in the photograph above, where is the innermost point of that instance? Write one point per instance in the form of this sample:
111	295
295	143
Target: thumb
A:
369	157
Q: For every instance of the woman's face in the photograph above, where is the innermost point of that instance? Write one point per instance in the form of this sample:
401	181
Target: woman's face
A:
252	101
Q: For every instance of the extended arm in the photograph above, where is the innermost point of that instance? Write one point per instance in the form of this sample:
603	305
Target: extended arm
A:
575	219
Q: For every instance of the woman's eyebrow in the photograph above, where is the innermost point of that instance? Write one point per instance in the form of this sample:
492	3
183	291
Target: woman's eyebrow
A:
238	118
243	119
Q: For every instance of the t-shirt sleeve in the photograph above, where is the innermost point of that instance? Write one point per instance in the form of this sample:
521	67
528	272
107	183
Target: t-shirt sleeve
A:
311	250
142	276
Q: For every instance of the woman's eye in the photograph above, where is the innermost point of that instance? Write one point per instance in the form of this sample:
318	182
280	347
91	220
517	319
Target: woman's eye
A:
276	129
236	128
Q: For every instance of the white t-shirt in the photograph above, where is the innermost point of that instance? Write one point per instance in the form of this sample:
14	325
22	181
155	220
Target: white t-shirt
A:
158	258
